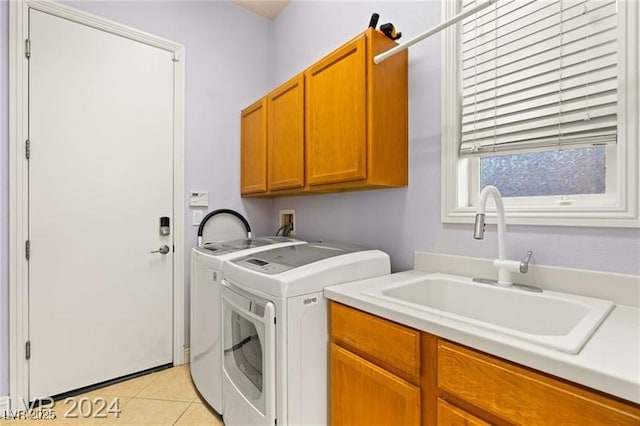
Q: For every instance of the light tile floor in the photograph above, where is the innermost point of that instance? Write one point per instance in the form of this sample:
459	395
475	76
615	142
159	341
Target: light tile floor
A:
167	397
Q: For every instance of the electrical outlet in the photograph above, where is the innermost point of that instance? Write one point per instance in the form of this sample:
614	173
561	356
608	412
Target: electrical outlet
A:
288	216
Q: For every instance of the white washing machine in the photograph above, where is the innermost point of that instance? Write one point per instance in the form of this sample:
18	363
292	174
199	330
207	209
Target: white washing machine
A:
206	314
275	338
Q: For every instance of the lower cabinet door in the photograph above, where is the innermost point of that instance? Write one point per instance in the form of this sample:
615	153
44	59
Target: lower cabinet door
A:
364	394
449	415
522	396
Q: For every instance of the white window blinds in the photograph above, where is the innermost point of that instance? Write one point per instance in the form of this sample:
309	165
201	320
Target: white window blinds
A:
538	75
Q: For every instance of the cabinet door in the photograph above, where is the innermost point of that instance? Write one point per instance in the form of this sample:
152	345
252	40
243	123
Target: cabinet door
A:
253	149
335	111
370	335
285	145
449	415
364	394
523	396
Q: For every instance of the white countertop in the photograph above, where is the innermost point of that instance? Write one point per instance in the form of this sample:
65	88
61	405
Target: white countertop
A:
609	361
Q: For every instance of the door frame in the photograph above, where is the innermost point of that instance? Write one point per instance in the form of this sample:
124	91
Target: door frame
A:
18	179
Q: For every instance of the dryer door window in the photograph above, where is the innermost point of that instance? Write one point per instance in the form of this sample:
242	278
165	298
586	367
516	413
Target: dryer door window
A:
249	347
246	349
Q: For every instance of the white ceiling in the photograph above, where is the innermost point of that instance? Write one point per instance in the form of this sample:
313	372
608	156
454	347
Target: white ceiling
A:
267	8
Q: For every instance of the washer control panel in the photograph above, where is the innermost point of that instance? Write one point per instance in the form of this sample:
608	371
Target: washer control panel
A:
262	266
278	260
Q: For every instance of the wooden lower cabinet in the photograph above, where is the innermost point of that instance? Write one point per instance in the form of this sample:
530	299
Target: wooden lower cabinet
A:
363	393
369	336
373	383
447	384
450	415
522	396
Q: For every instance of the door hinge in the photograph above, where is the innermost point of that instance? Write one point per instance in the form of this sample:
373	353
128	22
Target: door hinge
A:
176	57
27	349
27	48
27	249
27	149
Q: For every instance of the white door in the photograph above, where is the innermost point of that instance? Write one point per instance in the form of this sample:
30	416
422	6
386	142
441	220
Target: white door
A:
100	178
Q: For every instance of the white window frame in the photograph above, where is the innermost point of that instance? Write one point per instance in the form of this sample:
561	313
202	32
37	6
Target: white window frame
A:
460	176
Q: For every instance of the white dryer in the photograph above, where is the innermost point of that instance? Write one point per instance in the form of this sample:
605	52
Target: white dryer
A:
206	314
275	337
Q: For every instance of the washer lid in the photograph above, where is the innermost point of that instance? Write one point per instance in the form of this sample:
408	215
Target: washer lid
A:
219	248
282	259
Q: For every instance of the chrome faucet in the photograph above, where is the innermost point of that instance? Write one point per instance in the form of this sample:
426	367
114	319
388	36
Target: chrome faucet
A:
504	266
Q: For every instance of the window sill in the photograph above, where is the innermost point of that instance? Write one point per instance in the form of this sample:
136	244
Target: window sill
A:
540	216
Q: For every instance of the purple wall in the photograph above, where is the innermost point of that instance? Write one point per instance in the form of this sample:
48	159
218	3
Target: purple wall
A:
400	221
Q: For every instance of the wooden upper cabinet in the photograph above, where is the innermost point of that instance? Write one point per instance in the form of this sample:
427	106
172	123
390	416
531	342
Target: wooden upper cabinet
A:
356	117
253	149
285	141
337	117
341	125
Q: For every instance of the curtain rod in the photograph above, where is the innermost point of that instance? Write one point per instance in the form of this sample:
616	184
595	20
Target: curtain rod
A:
459	17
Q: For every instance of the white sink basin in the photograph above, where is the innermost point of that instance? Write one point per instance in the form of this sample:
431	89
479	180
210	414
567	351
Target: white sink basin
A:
555	320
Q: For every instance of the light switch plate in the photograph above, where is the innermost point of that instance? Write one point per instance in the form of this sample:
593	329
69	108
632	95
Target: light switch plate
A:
197	217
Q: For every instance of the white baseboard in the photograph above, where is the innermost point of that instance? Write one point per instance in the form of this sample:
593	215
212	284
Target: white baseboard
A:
4	404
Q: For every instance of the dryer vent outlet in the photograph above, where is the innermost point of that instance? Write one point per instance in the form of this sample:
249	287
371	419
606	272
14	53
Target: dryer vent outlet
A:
286	217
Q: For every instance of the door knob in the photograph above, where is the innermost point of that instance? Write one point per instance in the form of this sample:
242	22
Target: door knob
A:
164	249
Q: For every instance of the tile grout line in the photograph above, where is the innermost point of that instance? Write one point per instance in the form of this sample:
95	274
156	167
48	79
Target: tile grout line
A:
148	384
181	414
136	396
162	399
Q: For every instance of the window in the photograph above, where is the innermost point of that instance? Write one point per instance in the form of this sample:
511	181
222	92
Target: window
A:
540	98
559	172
